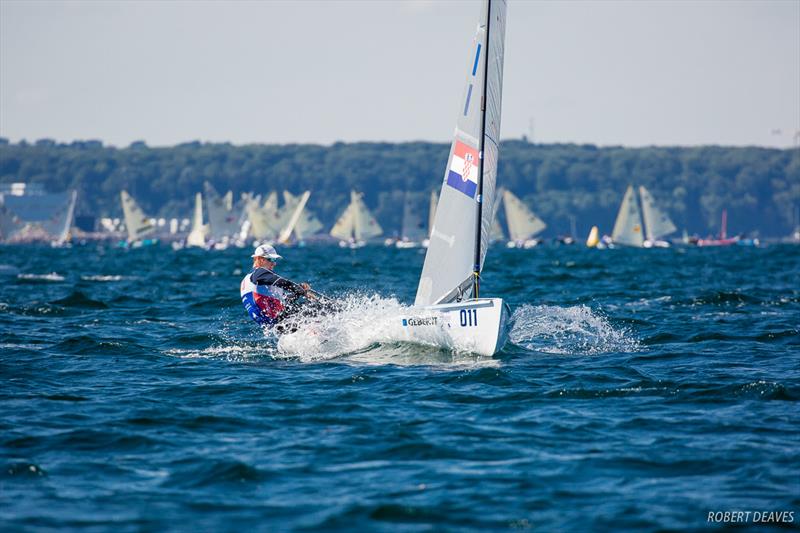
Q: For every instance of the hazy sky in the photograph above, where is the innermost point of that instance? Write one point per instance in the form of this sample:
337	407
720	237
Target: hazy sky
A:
630	73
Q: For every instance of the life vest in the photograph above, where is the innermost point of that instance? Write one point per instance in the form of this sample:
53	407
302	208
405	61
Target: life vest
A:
264	303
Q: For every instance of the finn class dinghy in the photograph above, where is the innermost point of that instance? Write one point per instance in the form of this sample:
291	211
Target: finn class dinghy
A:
448	311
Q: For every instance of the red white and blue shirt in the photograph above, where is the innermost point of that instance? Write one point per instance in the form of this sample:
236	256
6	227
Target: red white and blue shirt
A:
266	296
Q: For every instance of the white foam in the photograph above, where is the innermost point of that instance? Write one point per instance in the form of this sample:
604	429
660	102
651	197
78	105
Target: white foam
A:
573	330
42	277
102	278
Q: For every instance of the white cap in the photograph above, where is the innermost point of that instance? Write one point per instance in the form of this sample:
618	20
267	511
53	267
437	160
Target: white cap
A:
265	250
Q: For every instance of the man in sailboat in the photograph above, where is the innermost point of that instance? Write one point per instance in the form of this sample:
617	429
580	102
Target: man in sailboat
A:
268	298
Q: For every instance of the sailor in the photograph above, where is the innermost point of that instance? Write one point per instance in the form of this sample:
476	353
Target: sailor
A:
267	297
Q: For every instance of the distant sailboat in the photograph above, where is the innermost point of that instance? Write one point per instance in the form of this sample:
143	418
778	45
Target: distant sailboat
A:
594	237
412	231
631	229
223	220
307	225
656	223
723	239
197	236
523	225
297	205
356	224
138	225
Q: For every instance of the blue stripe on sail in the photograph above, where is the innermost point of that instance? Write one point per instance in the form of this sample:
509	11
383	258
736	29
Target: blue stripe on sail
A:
467	187
477	56
469	95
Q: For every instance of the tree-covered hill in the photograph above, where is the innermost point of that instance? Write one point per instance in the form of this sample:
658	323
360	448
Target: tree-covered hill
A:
760	187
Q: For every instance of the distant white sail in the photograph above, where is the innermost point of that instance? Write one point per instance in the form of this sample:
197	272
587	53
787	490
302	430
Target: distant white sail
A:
307	224
300	204
343	229
656	223
138	224
364	224
197	236
628	226
522	223
223	222
447	274
412	228
66	224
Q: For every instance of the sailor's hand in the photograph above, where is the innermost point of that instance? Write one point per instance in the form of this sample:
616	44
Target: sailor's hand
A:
306	287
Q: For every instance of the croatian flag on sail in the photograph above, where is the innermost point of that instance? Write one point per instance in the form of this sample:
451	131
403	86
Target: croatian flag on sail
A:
463	172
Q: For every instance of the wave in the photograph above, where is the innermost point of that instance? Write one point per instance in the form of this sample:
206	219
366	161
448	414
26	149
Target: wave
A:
575	330
104	278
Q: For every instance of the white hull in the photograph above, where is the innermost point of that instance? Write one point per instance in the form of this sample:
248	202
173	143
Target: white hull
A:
474	326
407	244
477	326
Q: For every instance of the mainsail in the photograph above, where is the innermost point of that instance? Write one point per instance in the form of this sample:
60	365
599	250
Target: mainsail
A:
522	223
364	224
138	224
412	229
628	226
223	221
299	204
307	223
197	237
656	222
464	214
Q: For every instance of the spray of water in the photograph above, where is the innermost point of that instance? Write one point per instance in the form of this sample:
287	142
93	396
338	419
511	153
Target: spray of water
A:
575	330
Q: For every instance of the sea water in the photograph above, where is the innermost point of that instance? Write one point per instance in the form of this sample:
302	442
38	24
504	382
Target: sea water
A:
640	389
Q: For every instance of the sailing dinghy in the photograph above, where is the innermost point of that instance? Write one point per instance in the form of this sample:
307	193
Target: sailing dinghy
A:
356	224
448	310
630	222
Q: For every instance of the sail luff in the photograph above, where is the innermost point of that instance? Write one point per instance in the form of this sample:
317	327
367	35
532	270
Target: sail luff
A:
432	211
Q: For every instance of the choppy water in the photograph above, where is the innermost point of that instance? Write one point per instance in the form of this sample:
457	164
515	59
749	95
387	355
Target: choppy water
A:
643	389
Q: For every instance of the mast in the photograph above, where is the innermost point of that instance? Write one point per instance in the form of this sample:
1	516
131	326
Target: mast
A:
476	268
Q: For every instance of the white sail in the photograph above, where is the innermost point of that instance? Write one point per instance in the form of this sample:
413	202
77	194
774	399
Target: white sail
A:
412	229
138	224
300	204
307	224
343	229
628	226
364	224
223	222
656	223
522	223
63	235
197	236
447	274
